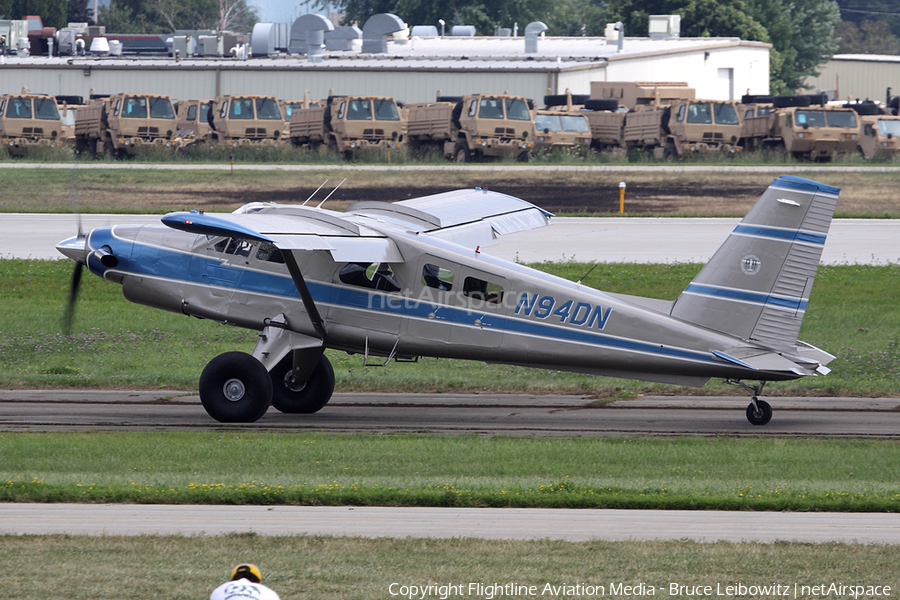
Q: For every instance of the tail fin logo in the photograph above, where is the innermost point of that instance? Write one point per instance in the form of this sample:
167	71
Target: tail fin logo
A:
750	265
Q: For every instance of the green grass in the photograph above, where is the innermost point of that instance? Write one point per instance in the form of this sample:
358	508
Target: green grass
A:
465	471
853	314
315	567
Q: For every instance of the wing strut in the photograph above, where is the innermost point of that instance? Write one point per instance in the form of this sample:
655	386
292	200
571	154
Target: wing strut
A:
308	302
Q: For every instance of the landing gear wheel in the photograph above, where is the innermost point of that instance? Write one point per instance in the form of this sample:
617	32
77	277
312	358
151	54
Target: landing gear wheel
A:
462	154
759	414
235	388
309	397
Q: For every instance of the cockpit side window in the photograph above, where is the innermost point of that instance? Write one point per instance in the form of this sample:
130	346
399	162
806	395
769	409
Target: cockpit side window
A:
269	253
437	277
375	276
235	246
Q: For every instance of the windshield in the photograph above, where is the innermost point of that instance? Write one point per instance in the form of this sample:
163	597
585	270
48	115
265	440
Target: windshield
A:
517	110
810	118
549	122
725	114
135	108
46	109
699	112
19	108
886	127
575	123
359	110
161	108
267	108
490	108
386	110
841	118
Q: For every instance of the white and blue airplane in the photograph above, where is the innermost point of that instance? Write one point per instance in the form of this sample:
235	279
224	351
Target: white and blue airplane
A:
407	279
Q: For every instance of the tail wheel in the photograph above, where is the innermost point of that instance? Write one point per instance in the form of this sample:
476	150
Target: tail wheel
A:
235	388
759	413
306	398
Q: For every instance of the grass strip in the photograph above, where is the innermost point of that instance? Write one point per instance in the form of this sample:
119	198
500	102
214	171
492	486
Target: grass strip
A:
462	471
116	344
315	567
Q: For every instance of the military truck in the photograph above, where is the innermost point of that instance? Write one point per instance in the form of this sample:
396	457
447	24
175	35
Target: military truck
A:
880	135
68	109
349	124
193	116
121	123
27	121
806	127
473	127
666	118
605	118
242	120
560	124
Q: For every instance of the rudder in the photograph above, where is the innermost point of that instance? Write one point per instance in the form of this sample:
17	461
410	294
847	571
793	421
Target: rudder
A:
757	284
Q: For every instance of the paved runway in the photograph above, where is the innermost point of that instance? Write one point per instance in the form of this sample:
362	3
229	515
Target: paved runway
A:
485	523
583	239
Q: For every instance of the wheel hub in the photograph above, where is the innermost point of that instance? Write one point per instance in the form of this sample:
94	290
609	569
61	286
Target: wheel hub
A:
234	390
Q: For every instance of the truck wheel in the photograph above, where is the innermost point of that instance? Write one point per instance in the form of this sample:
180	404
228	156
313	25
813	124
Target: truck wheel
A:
462	154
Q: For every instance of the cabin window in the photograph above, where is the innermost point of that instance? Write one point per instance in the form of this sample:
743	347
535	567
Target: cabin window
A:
161	108
235	246
725	114
118	107
547	123
386	110
748	113
341	110
359	110
811	118
267	108
375	276
45	109
841	118
574	123
517	110
699	112
473	106
480	289
2	107
241	108
437	277
192	112
491	108
680	116
269	253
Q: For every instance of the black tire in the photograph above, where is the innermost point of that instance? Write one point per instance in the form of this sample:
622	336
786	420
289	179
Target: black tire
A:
757	99
311	397
787	101
601	104
761	415
461	154
456	99
235	388
670	154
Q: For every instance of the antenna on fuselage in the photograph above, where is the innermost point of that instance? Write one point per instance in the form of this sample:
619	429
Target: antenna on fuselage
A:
332	191
586	274
315	192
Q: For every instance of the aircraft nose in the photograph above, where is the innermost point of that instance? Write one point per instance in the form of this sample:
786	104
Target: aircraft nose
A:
74	247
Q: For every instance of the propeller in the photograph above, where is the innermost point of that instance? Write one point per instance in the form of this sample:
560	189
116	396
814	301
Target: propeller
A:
69	315
78	252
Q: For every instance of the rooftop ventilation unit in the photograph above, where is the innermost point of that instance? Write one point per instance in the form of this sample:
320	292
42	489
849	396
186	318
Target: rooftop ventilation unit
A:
463	31
532	31
342	37
665	26
269	38
376	31
308	36
424	31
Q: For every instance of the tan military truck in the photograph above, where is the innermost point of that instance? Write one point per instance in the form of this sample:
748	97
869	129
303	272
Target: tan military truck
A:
604	116
806	127
242	120
880	135
193	116
350	124
473	127
29	120
121	123
68	109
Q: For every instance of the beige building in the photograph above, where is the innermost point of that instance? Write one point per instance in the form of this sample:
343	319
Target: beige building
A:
858	76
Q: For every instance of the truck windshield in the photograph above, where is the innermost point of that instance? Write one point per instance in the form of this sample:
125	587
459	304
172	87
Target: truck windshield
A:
386	110
359	110
841	118
810	118
19	108
698	112
548	122
241	108
886	128
45	108
574	123
161	108
135	108
725	114
490	108
267	108
517	110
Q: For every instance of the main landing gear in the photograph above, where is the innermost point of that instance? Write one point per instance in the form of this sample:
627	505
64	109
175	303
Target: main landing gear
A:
758	411
236	388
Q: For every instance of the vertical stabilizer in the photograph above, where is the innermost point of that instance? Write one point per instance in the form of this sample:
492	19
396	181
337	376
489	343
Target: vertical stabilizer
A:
757	285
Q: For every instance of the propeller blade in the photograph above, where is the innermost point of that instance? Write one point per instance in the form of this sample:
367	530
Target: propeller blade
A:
69	315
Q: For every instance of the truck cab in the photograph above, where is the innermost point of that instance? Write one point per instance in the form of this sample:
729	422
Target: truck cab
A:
28	120
240	120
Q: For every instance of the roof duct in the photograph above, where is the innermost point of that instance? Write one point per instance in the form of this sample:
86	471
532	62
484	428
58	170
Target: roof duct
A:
268	38
532	31
308	36
376	30
342	37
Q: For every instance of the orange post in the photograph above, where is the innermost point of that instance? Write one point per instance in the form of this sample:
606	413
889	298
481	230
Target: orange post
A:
622	197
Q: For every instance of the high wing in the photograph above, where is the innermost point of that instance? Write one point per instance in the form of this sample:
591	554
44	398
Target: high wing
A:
472	218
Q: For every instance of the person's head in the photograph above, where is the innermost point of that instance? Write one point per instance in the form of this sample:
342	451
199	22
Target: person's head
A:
246	571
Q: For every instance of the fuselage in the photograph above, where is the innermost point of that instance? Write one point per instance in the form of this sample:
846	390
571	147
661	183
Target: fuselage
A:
441	300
